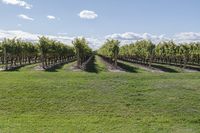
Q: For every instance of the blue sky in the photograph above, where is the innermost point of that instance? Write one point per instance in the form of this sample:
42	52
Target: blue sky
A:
126	20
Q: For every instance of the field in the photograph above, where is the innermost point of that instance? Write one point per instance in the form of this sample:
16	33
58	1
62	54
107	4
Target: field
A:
62	100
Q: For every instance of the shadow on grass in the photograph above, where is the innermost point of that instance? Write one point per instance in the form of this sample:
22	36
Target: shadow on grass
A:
91	66
164	68
57	67
127	68
16	68
192	67
157	66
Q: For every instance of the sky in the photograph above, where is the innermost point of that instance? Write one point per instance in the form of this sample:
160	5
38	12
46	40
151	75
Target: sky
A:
98	20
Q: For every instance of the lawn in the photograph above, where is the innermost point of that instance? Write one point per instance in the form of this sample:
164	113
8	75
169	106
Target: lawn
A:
63	101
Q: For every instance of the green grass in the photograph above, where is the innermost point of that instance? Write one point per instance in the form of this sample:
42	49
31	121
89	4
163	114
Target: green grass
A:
63	101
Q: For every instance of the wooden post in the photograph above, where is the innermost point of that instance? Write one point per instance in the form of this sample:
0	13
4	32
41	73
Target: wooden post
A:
150	61
115	58
42	59
78	58
5	59
185	62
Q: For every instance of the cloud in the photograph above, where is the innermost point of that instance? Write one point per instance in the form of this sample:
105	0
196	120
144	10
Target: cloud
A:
26	36
85	14
62	33
19	25
96	43
18	3
51	17
31	37
22	16
129	37
18	34
187	37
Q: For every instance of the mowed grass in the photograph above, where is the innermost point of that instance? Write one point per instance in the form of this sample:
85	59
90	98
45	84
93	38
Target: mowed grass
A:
64	101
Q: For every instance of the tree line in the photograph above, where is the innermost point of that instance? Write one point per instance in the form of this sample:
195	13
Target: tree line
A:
15	52
146	52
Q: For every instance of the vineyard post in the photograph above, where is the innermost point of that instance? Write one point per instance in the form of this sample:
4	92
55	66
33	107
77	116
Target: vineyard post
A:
115	58
5	59
78	57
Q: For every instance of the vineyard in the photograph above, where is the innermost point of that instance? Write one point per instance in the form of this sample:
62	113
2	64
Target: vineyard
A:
15	53
146	53
49	86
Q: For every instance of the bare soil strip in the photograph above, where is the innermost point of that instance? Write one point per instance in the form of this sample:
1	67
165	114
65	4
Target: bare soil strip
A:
154	70
12	68
83	67
110	67
190	70
40	68
146	68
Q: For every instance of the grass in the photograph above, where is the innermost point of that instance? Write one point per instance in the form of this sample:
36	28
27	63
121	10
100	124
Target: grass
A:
82	102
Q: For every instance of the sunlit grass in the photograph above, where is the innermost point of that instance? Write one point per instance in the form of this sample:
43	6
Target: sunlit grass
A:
67	101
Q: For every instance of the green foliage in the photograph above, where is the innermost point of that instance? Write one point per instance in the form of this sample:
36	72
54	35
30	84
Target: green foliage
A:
182	53
141	49
164	51
53	52
110	48
1	50
51	48
17	52
83	51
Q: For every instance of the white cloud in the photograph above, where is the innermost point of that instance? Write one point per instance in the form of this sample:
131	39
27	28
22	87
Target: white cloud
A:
22	16
62	33
19	25
96	43
187	37
26	36
31	37
18	34
129	37
85	14
51	17
18	3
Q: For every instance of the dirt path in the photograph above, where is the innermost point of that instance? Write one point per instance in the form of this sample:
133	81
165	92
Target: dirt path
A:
146	68
110	67
178	68
190	71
